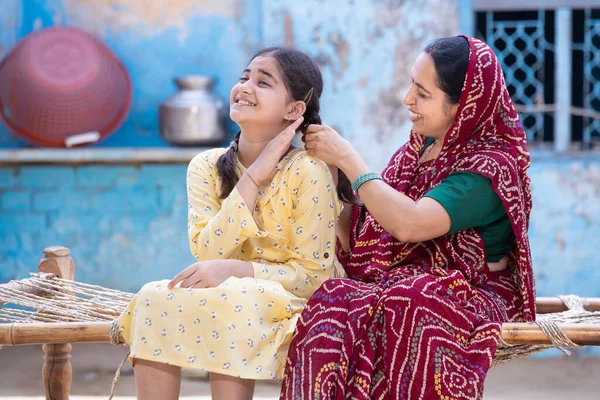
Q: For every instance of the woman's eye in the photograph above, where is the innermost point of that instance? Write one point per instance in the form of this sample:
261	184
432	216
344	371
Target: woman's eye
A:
263	83
421	95
243	79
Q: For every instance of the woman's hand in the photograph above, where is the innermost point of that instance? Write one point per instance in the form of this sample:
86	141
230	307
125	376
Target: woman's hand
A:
212	273
326	144
264	165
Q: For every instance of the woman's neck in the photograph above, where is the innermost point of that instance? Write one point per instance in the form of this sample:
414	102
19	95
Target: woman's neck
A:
439	142
433	150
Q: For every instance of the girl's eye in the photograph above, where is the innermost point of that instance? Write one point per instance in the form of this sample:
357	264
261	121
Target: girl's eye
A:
243	79
263	83
421	95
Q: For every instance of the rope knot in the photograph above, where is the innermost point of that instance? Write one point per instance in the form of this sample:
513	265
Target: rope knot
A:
115	333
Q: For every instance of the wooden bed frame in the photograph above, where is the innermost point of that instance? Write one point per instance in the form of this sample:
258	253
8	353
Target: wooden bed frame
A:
57	337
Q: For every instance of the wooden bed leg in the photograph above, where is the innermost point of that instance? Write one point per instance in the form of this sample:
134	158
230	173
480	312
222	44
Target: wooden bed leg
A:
56	261
57	371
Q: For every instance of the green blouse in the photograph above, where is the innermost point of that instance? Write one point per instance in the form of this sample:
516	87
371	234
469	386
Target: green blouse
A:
470	201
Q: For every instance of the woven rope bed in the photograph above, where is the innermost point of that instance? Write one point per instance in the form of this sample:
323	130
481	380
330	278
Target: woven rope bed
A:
55	310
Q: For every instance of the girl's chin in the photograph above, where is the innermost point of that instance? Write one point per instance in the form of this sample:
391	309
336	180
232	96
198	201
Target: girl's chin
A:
242	112
241	121
237	117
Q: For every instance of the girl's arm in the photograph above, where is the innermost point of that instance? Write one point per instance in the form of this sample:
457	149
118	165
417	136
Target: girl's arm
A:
216	230
310	250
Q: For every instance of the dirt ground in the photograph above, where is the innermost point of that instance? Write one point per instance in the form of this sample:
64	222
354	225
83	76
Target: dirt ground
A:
94	366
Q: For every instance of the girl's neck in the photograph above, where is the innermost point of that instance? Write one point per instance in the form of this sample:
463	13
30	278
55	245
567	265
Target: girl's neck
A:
252	142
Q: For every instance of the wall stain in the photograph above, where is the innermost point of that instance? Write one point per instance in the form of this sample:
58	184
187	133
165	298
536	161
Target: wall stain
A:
560	240
144	16
386	111
337	64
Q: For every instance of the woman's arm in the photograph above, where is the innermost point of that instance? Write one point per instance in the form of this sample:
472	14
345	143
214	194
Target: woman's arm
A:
405	219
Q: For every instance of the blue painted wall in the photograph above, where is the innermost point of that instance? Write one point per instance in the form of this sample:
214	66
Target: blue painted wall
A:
565	224
125	225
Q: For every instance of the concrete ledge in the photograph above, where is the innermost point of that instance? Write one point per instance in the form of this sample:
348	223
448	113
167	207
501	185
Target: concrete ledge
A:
181	155
107	155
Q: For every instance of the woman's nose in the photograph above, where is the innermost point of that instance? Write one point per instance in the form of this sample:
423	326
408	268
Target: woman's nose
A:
408	97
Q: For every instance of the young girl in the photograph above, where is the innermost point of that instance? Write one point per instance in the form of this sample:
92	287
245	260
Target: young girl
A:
261	224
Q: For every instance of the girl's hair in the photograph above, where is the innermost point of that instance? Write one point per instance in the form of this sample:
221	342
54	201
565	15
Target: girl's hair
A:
303	81
451	58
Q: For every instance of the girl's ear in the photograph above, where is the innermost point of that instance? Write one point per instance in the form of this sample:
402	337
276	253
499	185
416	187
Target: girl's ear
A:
295	110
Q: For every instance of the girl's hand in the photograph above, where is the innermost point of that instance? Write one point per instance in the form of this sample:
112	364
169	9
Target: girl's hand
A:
326	144
212	273
264	165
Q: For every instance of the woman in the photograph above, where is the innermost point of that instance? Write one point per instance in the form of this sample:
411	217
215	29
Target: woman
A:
261	224
438	257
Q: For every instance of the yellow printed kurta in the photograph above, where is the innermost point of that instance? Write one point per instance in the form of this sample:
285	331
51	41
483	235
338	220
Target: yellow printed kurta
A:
242	327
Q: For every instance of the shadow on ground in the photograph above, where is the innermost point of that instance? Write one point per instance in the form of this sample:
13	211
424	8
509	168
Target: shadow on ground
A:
94	366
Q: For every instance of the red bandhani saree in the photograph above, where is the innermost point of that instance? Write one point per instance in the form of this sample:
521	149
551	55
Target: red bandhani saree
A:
422	321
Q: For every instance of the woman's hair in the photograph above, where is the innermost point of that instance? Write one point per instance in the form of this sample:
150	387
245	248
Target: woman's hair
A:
303	81
451	57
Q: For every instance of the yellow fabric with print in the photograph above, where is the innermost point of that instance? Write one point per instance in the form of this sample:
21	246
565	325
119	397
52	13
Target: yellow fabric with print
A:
242	327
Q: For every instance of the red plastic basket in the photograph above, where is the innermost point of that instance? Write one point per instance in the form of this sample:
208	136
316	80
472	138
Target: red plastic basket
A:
59	82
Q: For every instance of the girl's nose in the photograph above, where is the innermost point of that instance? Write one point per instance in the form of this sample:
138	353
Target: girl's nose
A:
245	87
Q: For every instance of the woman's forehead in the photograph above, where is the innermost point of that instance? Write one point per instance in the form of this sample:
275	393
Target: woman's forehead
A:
424	69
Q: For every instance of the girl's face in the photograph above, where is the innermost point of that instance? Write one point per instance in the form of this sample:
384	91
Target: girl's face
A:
430	112
260	99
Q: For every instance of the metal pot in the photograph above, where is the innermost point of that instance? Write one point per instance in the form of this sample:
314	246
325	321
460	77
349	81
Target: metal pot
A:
194	115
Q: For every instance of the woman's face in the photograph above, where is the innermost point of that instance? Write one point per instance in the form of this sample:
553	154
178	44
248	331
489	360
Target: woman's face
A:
430	113
260	98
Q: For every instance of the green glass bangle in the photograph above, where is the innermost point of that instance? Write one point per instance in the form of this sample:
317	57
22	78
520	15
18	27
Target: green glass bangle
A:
364	178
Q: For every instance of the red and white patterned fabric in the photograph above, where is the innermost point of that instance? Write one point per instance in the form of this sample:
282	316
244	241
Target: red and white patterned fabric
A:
422	321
